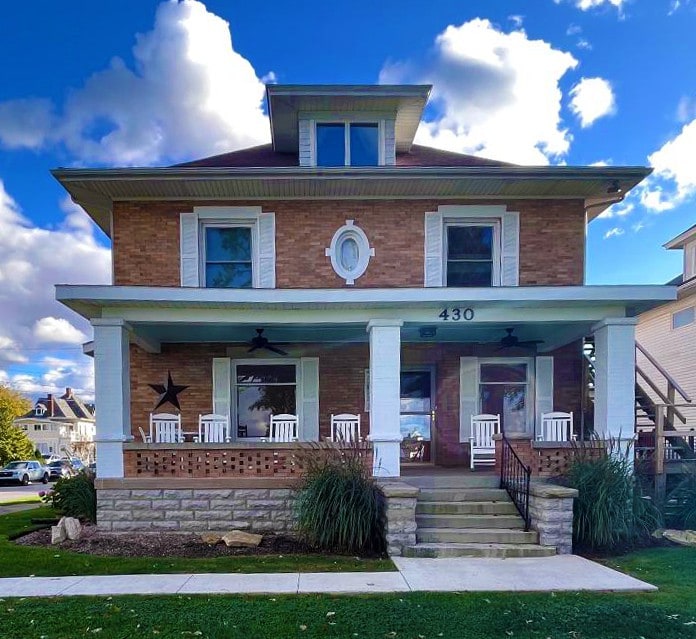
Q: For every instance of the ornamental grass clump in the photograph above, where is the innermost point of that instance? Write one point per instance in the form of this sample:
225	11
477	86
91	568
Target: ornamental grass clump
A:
610	511
74	497
340	508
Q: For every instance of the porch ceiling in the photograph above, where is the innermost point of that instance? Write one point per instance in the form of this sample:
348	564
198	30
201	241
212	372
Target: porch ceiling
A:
553	334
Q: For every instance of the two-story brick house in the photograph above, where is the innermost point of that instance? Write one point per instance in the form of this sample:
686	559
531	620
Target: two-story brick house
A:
386	273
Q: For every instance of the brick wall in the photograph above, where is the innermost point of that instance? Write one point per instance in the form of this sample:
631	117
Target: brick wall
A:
146	241
341	387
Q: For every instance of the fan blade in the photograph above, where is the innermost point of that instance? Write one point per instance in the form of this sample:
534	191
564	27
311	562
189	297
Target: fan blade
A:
531	342
273	349
253	348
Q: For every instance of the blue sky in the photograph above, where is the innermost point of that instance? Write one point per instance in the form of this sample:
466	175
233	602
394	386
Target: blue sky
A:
141	82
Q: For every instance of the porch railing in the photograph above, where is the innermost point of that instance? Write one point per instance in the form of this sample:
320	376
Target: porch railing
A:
514	478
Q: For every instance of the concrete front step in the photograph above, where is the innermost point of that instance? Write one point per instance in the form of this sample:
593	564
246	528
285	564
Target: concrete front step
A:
476	535
465	508
461	479
512	521
500	551
463	494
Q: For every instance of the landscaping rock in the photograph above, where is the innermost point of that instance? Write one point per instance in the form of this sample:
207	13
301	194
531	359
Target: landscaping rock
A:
211	538
58	533
238	538
681	537
73	528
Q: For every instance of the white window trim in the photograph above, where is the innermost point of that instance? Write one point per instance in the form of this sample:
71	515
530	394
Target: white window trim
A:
262	362
494	223
228	224
346	121
350	231
249	216
531	384
681	310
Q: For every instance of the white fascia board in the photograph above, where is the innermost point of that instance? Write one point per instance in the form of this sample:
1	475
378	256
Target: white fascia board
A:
89	300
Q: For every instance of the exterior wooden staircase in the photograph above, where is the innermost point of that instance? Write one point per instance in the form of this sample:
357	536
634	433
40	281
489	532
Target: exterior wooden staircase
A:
463	515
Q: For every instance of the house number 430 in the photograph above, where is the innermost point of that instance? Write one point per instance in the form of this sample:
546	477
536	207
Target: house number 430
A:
457	314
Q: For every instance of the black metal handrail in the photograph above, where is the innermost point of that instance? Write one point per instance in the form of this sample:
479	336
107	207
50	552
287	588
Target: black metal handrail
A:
514	477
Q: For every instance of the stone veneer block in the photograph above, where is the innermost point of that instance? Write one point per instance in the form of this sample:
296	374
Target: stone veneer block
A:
551	514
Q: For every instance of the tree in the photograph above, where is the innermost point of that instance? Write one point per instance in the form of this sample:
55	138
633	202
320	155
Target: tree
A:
14	443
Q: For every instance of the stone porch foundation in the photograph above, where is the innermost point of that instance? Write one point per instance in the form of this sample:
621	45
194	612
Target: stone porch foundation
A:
551	515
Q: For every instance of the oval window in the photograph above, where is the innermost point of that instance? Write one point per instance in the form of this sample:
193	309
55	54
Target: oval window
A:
349	253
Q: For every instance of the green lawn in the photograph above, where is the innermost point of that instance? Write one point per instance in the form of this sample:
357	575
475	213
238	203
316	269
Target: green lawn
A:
22	561
669	614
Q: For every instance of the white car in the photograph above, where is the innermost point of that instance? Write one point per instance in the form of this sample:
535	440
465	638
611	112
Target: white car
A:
23	472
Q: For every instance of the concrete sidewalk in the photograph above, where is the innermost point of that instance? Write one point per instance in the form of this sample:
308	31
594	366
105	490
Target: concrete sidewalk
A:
563	572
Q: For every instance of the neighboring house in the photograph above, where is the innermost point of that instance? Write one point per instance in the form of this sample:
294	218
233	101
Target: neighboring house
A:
668	333
385	275
63	426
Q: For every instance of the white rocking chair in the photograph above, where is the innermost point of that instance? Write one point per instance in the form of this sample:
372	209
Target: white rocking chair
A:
556	427
345	428
482	446
213	428
284	428
165	428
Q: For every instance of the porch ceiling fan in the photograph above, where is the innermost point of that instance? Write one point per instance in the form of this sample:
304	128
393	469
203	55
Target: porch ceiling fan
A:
512	341
261	342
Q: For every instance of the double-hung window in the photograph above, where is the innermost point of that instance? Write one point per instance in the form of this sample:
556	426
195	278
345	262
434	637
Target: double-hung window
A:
228	251
347	144
262	390
504	391
471	253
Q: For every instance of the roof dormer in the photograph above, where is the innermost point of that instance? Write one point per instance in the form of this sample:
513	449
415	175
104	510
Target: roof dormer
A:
345	125
687	242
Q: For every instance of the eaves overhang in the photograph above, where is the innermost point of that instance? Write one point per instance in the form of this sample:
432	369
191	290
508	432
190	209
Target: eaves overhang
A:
91	301
97	189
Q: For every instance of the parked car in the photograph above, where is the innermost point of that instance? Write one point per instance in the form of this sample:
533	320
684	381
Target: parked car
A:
60	468
49	457
77	464
23	472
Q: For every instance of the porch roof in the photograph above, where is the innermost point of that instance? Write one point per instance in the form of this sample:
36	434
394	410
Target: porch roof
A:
93	302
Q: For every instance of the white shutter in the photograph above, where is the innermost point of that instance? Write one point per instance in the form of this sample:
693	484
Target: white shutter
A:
188	232
309	395
433	249
366	390
266	250
221	389
543	388
468	395
510	256
304	130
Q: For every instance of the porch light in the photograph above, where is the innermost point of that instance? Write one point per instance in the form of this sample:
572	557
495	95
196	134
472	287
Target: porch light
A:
427	332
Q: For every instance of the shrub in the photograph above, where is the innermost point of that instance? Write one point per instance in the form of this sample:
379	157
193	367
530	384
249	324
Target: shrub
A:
75	496
610	510
340	507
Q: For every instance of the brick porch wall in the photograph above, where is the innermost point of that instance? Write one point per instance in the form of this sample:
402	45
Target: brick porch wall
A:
552	241
341	384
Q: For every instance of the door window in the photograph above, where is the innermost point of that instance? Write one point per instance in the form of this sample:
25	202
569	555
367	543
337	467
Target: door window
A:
416	416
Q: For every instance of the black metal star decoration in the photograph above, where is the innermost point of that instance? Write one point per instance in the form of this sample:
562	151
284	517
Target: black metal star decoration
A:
168	393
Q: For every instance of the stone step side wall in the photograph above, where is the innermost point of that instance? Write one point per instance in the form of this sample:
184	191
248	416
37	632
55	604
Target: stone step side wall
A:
195	510
551	515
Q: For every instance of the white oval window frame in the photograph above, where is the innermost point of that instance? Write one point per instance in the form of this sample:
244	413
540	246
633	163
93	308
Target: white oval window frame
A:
350	231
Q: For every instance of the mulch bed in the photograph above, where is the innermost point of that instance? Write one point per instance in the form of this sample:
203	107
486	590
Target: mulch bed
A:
163	544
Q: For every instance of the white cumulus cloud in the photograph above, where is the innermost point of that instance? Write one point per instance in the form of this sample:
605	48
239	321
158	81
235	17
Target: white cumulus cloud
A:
497	93
586	5
187	94
674	178
591	99
32	261
57	330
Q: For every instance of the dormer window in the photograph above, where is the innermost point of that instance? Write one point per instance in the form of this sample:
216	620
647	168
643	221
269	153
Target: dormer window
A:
39	410
347	144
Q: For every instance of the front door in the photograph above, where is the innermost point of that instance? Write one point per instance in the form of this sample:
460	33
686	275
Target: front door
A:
417	410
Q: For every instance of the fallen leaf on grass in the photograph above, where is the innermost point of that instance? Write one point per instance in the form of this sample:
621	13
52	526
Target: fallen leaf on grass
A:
303	627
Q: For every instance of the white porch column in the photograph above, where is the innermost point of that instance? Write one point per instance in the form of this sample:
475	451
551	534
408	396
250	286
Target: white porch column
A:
112	394
385	391
615	378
